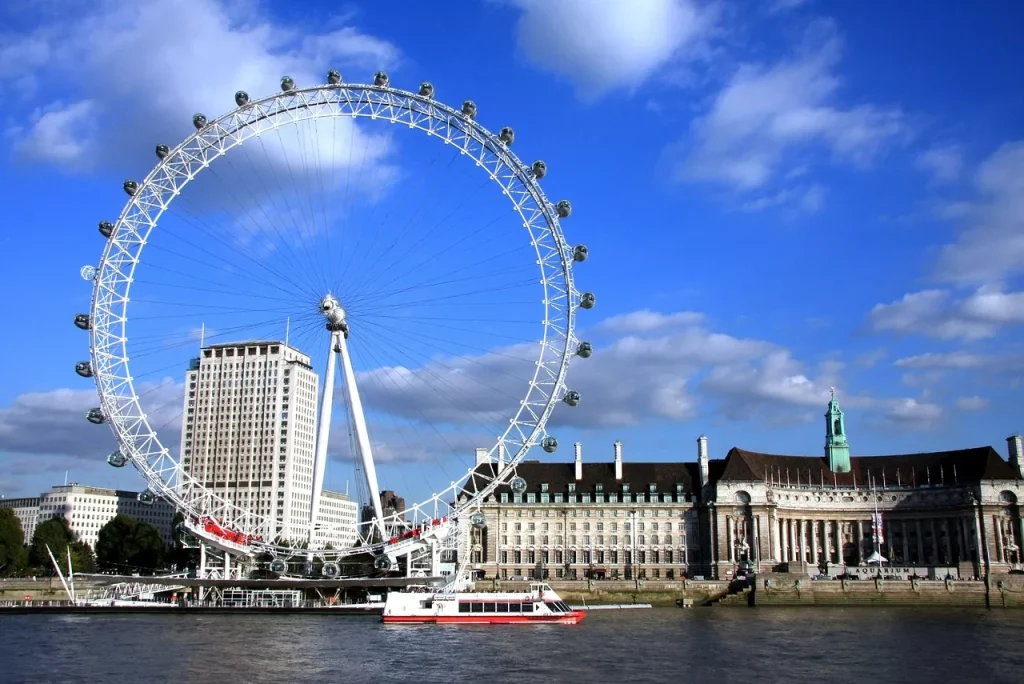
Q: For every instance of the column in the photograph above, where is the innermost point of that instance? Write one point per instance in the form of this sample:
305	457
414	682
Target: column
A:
755	532
1020	539
906	542
815	527
728	539
920	543
790	546
965	553
839	541
998	528
860	541
776	531
947	543
935	542
802	553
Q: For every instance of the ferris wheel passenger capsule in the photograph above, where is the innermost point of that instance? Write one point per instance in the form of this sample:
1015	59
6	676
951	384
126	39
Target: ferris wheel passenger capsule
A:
334	77
507	136
572	398
147	498
584	350
549	444
287	84
278	566
241	98
380	79
84	369
106	228
540	169
199	121
330	570
162	151
469	109
517	485
580	253
427	89
479	520
587	300
563	208
131	187
117	459
88	273
95	416
382	563
83	322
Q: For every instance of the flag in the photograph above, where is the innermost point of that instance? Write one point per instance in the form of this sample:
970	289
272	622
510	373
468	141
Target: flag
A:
877	533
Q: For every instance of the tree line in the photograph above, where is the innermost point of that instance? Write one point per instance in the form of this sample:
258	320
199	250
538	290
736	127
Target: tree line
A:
124	545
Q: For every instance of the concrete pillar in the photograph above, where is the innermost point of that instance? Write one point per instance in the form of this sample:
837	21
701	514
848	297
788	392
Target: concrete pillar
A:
728	539
802	548
961	526
786	539
920	543
947	543
838	531
934	557
815	527
1020	539
860	541
775	529
997	527
906	542
755	533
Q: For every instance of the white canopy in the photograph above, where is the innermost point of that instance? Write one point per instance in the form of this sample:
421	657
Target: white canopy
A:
876	558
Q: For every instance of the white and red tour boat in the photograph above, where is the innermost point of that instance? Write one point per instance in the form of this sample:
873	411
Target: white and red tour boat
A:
539	605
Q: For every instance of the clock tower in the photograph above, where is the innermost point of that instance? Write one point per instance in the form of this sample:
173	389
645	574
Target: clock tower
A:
837	450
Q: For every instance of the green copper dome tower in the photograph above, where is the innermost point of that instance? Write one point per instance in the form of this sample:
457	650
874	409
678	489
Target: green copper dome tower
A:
836	449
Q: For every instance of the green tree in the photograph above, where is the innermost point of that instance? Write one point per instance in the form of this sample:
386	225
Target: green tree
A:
82	557
13	555
56	534
125	544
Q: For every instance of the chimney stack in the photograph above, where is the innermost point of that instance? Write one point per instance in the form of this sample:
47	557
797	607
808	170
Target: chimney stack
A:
702	459
618	460
579	461
481	456
1013	445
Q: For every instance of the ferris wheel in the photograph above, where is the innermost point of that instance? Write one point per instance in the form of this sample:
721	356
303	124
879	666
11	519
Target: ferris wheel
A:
387	264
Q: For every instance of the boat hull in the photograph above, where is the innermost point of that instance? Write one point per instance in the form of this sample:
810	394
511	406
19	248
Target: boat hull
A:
558	619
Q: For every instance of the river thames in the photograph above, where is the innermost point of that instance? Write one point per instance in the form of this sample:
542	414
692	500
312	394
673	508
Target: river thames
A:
666	644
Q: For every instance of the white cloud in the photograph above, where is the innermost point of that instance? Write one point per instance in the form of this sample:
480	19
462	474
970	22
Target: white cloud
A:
647	366
602	45
53	422
972	403
160	62
807	199
913	413
936	313
770	119
647	321
957	360
991	243
943	163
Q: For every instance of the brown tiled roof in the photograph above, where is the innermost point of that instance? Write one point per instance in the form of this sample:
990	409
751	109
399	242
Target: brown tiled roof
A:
557	476
950	467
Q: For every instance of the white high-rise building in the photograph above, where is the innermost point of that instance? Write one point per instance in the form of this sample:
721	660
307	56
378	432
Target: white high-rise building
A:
88	509
249	431
249	435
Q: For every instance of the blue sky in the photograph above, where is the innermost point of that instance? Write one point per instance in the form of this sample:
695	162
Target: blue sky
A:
778	198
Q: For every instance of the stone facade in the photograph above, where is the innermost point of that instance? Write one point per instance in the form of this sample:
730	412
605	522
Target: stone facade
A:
768	512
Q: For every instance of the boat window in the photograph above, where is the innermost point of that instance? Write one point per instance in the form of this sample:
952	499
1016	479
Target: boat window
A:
527	607
490	608
477	607
464	607
502	608
554	606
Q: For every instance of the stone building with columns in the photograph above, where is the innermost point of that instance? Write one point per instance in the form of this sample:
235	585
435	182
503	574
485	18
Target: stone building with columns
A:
949	512
837	511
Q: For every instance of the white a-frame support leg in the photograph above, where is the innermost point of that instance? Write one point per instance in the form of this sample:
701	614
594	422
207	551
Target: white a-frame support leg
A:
339	332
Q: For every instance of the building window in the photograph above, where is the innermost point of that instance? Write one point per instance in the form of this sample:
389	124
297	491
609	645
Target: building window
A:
558	498
544	497
599	487
504	497
586	498
531	498
543	487
572	487
625	487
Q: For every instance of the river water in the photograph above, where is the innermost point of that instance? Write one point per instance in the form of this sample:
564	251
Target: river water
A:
718	645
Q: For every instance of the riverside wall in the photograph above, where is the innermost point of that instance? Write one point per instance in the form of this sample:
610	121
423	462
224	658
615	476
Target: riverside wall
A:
1002	591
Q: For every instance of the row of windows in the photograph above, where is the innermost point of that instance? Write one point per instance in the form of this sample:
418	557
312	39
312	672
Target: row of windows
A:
586	539
588	556
614	526
597	497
